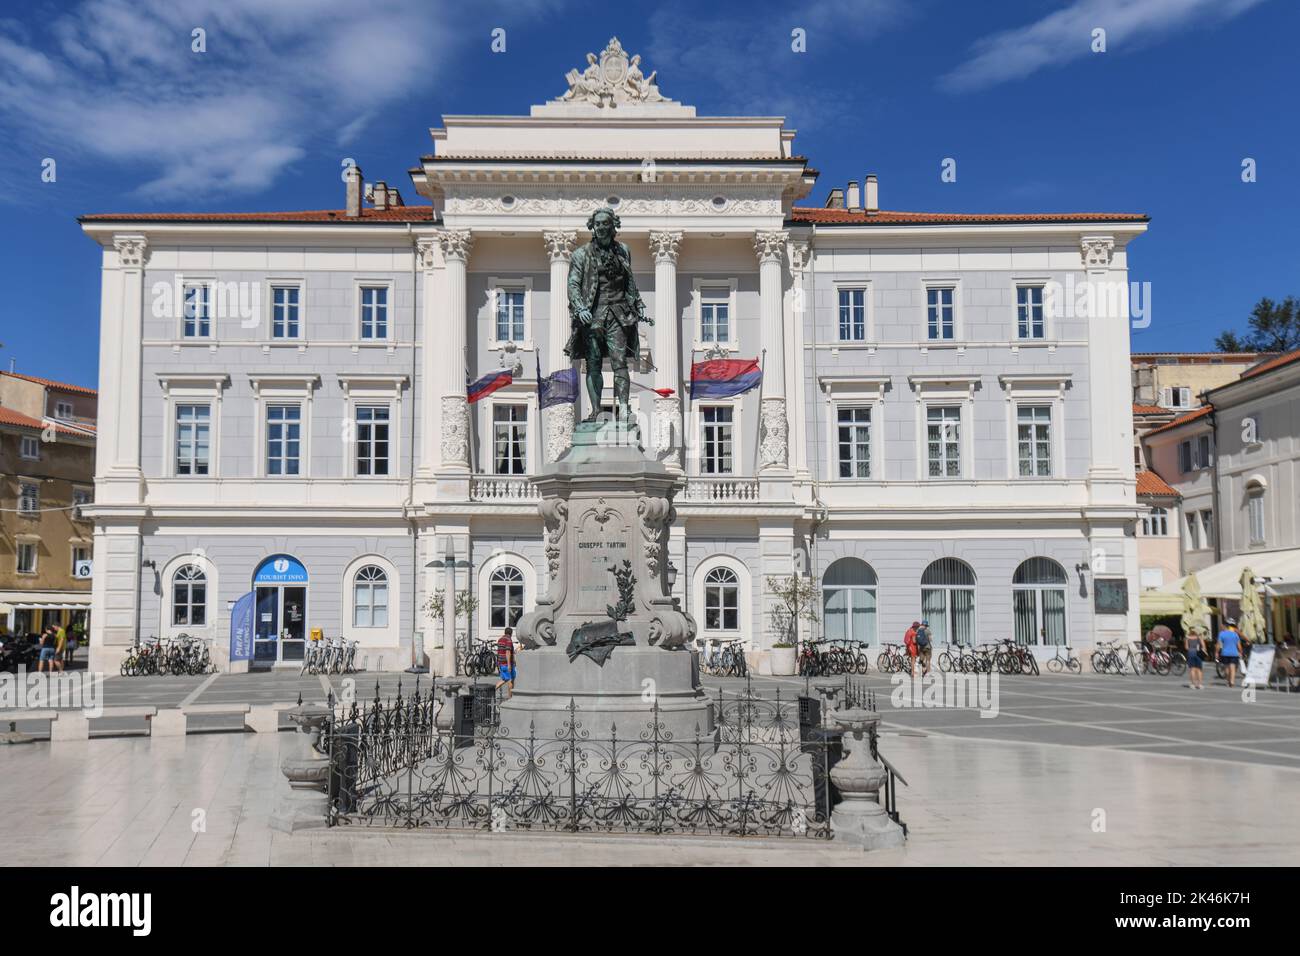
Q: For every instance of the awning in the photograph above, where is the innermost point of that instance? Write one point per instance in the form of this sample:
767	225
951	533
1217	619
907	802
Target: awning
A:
1158	602
1223	580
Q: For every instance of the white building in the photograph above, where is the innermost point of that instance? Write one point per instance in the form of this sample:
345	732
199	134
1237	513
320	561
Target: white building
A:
935	440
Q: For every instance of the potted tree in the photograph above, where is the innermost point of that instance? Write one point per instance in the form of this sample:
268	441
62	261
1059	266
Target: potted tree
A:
797	597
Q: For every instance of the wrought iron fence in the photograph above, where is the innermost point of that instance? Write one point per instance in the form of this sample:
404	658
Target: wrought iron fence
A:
392	766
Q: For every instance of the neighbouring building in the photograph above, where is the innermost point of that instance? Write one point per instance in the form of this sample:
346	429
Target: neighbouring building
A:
287	412
1235	462
47	468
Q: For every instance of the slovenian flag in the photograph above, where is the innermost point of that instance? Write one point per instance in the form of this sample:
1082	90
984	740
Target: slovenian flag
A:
722	378
558	388
489	383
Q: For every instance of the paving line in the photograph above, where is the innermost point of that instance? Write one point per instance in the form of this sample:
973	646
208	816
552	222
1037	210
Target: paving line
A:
194	694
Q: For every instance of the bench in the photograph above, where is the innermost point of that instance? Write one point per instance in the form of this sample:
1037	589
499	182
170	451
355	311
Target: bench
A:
265	718
174	721
75	725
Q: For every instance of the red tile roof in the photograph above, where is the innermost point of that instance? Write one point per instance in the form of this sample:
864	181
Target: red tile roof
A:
50	383
9	416
1181	420
397	214
886	218
1149	483
1268	366
1151	410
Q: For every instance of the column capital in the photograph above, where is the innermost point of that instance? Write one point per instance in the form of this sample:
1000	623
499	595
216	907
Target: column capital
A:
663	244
456	244
132	250
769	245
560	243
424	247
1097	252
800	254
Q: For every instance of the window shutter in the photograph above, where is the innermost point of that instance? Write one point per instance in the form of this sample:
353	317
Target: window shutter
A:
1166	397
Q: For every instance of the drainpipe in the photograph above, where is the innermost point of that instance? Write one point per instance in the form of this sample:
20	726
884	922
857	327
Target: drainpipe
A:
410	455
1214	487
821	512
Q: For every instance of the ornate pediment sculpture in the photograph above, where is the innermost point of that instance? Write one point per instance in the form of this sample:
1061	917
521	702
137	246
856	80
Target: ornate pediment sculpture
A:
611	79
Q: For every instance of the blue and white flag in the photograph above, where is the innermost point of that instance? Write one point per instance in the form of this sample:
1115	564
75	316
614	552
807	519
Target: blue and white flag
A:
558	388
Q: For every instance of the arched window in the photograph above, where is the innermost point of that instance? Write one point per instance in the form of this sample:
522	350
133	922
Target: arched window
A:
505	596
1038	602
948	601
721	600
189	596
849	601
370	597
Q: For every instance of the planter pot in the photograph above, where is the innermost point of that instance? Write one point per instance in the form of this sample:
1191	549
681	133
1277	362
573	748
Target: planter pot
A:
783	659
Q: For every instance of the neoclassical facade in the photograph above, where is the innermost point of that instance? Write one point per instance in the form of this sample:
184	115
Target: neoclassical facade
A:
284	404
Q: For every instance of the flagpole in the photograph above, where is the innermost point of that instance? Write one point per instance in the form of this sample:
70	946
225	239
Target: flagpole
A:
541	425
762	374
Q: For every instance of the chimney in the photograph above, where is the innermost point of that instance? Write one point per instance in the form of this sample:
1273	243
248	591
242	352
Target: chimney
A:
380	195
852	197
394	198
352	176
872	197
835	200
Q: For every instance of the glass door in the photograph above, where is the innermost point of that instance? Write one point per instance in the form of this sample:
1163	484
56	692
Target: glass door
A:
266	630
294	615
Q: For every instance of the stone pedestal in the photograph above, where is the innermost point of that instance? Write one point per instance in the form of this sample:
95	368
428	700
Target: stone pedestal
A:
306	804
607	508
860	819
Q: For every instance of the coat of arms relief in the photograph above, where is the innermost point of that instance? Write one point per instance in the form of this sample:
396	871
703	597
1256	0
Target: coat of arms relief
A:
610	79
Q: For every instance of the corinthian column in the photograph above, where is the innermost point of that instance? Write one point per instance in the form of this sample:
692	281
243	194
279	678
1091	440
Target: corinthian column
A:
426	259
667	349
558	418
451	380
774	428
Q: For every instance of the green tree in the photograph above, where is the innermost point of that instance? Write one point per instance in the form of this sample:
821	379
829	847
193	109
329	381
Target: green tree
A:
1274	327
799	598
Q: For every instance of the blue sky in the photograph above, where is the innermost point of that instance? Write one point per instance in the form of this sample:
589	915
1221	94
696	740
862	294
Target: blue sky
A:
1159	123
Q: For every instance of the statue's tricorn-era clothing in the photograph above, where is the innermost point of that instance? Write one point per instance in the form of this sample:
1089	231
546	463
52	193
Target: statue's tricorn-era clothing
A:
601	282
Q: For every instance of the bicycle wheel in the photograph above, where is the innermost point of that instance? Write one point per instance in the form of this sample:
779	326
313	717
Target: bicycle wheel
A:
882	663
1031	664
1055	665
1075	665
862	665
1177	663
1098	661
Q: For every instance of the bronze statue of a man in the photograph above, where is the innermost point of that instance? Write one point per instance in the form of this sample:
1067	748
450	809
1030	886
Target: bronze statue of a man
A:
604	309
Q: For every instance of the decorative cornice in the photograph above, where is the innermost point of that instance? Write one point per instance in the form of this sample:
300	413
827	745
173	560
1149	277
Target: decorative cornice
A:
132	250
769	246
664	245
560	243
456	244
1097	251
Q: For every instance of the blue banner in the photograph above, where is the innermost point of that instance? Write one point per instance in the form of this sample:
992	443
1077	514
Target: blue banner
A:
241	628
559	388
280	569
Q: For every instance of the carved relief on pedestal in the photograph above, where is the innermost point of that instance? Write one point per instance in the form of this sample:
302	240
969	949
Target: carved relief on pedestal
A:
774	434
656	515
559	430
455	431
667	444
537	627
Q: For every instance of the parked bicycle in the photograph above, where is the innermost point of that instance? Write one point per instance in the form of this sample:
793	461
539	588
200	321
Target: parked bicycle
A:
482	659
958	657
183	654
893	659
1056	664
331	655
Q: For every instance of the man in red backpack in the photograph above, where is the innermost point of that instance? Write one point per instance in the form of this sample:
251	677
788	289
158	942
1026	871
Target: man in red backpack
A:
910	640
506	662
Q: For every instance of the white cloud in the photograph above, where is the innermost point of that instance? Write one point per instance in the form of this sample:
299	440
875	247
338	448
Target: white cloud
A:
116	80
1066	35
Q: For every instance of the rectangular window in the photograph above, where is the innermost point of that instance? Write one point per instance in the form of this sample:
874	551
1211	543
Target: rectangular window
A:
943	441
717	448
30	448
63	410
940	325
853	315
29	498
26	557
283	439
80	498
1193	531
1185	457
372	440
1203	457
193	439
715	315
1255	508
1177	396
509	439
284	312
1034	440
197	312
374	312
510	315
1029	312
1207	528
853	431
1155	523
79	555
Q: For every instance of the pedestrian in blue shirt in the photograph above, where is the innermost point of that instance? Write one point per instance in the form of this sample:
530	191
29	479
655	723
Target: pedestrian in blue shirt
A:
1230	650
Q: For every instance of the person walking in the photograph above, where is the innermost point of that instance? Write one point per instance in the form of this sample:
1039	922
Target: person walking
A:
506	662
47	650
909	641
1230	650
1195	661
924	646
60	646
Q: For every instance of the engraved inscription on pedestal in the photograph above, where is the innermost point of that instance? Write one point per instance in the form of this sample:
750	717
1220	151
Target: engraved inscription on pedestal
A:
603	542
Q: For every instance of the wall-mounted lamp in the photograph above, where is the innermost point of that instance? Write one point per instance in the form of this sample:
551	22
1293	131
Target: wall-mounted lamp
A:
149	563
672	575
